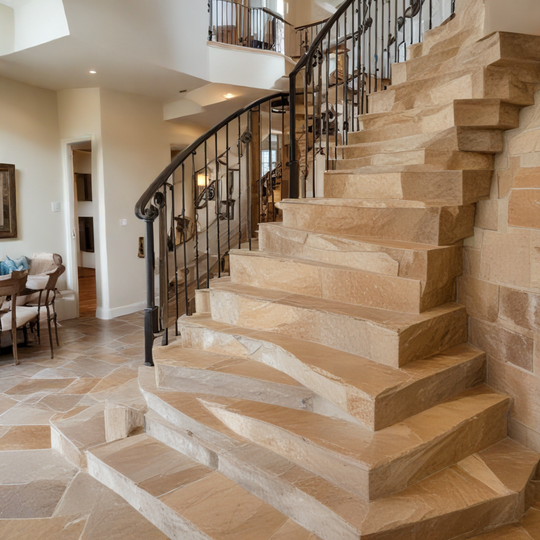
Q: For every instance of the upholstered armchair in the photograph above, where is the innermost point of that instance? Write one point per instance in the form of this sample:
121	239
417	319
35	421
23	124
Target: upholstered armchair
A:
13	316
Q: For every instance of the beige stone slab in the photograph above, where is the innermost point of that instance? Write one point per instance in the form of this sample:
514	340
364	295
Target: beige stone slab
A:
26	438
376	395
499	255
322	280
387	337
502	343
481	298
523	210
82	386
395	220
39	385
367	464
41	529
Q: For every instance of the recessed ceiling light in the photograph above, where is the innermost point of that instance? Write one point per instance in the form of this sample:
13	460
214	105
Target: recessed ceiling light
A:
228	96
92	72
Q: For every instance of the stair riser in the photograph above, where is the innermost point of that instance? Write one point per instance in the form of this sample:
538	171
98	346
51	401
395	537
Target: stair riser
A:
343	333
340	284
441	264
423	225
385	411
222	384
478	117
452	188
474	435
480	114
165	519
243	467
482	83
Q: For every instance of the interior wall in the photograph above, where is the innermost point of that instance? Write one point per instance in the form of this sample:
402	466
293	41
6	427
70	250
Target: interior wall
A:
29	139
521	16
135	150
501	281
7	29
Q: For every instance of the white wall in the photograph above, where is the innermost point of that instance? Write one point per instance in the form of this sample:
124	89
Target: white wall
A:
39	21
7	29
521	16
29	139
135	150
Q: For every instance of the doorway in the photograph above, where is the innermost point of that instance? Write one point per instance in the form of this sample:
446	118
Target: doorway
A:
84	213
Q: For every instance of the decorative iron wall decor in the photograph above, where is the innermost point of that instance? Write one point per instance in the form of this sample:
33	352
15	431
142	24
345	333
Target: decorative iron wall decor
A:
8	215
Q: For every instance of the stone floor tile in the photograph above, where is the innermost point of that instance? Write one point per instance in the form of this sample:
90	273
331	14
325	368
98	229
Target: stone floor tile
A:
41	529
25	415
37	385
26	438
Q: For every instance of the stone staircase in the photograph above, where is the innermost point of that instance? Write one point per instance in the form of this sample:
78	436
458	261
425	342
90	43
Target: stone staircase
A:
326	388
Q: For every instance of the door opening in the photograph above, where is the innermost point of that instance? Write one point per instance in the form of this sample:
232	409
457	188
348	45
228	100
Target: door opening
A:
83	227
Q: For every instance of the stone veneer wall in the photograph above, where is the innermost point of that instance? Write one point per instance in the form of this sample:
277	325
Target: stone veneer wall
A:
501	281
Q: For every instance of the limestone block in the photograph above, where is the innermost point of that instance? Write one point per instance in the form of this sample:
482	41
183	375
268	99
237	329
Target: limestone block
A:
524	208
535	259
522	386
527	178
471	262
499	255
480	297
487	214
524	143
501	343
202	301
520	307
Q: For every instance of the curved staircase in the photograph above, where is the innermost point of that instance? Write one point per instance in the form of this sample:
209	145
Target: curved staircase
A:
326	388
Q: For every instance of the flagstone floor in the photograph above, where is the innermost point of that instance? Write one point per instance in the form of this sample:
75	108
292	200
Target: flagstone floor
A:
43	496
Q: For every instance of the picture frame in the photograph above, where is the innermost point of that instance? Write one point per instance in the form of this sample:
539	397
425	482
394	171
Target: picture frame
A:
8	214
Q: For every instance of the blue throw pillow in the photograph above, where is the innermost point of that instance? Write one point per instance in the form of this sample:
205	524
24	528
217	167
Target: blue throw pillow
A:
9	265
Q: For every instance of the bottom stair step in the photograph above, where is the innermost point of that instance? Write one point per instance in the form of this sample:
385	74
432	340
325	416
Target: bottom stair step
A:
184	499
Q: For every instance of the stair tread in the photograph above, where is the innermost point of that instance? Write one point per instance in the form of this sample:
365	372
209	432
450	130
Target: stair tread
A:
202	498
394	321
176	356
397	244
308	262
357	443
346	372
368	203
475	480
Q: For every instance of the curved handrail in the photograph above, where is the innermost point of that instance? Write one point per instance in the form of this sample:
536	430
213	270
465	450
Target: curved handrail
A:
308	55
148	214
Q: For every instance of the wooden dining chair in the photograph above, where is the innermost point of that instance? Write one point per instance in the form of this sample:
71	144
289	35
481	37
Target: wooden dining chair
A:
16	317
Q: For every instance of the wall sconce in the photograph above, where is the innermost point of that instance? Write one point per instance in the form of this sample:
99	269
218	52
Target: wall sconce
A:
201	180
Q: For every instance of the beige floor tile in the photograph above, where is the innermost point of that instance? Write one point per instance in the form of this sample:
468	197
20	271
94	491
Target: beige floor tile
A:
26	438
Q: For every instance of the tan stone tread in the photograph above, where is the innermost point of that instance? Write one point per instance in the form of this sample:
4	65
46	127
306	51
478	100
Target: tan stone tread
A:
184	499
387	337
374	394
372	465
190	370
490	482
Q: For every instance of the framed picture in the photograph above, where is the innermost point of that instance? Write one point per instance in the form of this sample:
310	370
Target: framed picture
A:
8	215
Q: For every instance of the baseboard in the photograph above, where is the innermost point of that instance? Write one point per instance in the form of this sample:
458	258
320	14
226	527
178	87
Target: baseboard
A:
103	313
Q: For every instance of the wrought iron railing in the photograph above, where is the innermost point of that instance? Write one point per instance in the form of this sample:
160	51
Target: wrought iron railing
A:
350	59
208	201
213	195
235	23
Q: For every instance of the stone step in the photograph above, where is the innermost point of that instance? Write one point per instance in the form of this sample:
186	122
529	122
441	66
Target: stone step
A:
461	499
186	370
497	49
512	85
472	113
413	183
386	337
449	159
371	465
427	263
451	140
373	394
339	283
184	499
408	221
